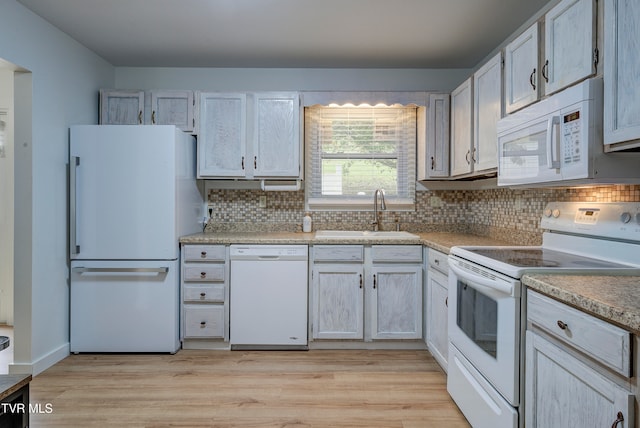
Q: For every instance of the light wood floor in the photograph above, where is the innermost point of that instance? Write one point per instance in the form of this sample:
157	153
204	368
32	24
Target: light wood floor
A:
318	388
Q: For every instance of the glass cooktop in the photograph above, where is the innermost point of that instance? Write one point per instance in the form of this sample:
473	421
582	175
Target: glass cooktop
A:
542	257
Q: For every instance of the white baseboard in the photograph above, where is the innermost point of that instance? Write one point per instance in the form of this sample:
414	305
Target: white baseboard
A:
42	363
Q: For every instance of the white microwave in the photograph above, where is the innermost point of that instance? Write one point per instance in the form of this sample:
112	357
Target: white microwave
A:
558	141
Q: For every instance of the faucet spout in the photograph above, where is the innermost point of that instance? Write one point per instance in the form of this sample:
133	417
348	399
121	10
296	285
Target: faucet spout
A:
379	193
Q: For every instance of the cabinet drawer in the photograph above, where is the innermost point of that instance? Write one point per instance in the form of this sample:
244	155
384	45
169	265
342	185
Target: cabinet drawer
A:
204	321
198	253
606	343
338	253
396	253
204	293
213	272
439	261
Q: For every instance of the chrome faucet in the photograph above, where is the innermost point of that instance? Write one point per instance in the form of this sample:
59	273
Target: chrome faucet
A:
383	206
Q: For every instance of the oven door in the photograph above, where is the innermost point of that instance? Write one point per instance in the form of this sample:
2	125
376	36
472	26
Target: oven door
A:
484	324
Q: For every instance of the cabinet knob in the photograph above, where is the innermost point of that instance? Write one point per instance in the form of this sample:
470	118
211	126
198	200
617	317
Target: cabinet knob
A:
203	255
562	325
203	274
203	324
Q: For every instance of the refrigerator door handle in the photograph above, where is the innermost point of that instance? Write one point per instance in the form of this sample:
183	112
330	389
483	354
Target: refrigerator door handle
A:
121	270
73	244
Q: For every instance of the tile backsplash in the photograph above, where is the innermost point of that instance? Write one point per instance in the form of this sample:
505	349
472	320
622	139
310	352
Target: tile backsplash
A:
512	215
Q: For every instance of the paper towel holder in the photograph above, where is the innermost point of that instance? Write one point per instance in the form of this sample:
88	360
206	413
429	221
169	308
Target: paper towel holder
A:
280	185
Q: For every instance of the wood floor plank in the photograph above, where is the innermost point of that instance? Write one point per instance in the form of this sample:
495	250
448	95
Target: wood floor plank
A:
319	388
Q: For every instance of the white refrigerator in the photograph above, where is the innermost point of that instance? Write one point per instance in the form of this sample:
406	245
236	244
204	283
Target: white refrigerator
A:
132	194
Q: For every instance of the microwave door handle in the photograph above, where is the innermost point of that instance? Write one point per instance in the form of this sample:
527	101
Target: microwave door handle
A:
553	164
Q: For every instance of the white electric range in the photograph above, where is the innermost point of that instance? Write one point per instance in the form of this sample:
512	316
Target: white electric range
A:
487	306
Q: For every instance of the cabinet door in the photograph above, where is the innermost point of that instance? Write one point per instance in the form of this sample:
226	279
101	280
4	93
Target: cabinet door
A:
437	333
222	135
461	128
396	302
521	70
338	291
276	141
436	161
121	107
173	108
570	40
563	391
621	71
487	110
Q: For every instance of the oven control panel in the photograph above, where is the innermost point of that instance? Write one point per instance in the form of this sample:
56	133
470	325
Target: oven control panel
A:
619	220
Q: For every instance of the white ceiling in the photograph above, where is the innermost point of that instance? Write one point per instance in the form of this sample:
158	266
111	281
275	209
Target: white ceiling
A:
289	33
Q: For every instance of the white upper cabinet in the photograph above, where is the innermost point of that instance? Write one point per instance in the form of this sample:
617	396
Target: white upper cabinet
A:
173	108
621	71
521	70
249	135
121	107
276	140
461	128
570	44
487	101
433	151
222	135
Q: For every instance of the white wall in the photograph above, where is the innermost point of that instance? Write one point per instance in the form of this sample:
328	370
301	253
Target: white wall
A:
290	79
6	199
60	90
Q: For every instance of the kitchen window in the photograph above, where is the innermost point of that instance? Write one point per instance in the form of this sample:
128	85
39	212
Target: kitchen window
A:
354	150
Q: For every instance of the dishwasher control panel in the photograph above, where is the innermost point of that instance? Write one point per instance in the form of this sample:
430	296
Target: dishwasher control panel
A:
263	252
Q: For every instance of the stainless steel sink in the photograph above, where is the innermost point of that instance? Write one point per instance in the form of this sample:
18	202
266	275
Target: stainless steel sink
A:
364	234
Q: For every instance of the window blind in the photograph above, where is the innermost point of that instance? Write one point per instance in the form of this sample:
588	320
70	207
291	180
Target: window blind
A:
352	151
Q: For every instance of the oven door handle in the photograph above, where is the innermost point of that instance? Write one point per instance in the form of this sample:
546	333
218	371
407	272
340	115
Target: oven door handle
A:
479	282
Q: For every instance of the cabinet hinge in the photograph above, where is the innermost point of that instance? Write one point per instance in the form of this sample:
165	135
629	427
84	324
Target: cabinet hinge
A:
596	56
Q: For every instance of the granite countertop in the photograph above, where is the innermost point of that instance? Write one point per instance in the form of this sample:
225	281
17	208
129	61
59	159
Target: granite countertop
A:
11	383
613	298
441	241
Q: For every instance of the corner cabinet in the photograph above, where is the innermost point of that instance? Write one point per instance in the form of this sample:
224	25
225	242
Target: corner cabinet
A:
366	293
578	369
433	150
168	107
249	136
121	107
621	71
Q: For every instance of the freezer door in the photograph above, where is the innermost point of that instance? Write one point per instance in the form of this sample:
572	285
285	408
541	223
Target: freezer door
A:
123	192
124	306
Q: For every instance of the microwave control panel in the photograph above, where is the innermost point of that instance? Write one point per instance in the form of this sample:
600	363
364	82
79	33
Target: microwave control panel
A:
571	136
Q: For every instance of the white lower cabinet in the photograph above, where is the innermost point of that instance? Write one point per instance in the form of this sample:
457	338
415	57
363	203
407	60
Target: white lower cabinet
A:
366	292
437	334
569	382
205	296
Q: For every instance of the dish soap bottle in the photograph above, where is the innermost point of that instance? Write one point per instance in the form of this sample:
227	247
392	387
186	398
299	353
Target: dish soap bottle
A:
306	223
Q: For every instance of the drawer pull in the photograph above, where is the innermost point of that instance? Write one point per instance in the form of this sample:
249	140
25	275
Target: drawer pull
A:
203	275
446	301
360	280
437	262
562	325
203	254
374	281
203	324
203	295
619	420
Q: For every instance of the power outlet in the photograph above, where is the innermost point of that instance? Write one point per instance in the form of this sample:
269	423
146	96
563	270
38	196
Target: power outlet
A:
262	202
435	202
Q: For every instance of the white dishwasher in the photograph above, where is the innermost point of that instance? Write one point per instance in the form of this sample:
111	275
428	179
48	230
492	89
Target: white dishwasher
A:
268	296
